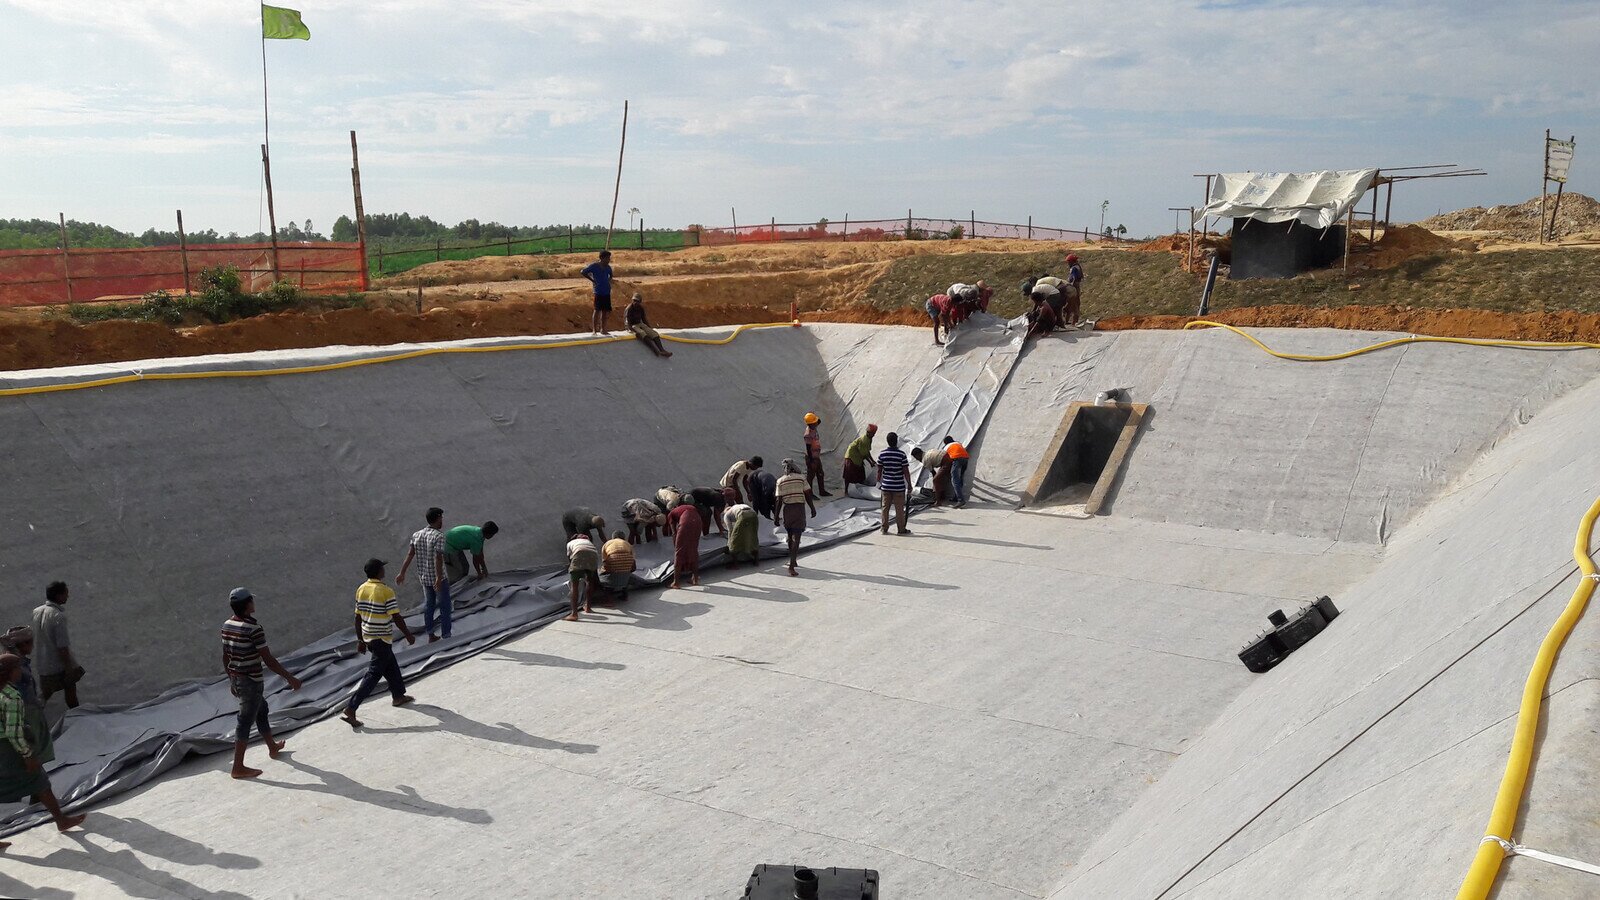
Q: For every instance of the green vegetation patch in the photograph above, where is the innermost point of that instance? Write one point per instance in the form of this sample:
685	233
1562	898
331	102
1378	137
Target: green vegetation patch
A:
220	299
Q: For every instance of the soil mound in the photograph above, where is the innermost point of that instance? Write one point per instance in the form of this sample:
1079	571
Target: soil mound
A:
1579	213
1402	243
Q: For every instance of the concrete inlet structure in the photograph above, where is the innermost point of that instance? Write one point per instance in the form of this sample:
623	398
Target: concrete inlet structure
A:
999	705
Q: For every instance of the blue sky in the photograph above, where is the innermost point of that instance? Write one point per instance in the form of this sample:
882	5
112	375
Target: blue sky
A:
121	111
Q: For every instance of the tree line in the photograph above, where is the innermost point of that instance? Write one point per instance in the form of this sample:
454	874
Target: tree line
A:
383	229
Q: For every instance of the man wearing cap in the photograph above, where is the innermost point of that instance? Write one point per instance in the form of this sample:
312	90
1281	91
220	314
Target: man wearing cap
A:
428	550
813	439
857	457
244	651
599	274
464	539
377	614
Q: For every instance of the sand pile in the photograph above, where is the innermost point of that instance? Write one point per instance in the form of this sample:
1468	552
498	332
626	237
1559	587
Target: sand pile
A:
1579	213
1401	243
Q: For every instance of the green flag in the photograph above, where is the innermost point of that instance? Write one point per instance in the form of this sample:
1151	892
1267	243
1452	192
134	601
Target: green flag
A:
283	24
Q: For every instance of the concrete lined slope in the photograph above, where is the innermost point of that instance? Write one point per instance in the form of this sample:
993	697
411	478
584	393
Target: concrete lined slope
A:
154	499
1238	439
1367	763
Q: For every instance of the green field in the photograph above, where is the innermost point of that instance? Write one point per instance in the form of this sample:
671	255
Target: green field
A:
386	261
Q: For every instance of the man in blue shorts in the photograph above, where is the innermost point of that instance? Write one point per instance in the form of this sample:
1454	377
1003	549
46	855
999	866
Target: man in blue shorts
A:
599	275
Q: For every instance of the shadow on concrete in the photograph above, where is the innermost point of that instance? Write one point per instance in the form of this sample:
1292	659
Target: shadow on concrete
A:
895	581
522	657
403	799
988	541
123	868
503	733
653	612
777	595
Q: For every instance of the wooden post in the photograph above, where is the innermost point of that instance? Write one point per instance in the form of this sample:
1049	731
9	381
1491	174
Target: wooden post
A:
569	238
1349	226
641	232
419	295
972	224
1388	202
1188	261
735	213
617	191
66	256
908	224
1030	228
183	250
508	245
773	227
1372	227
380	259
438	249
847	226
272	217
1544	183
361	212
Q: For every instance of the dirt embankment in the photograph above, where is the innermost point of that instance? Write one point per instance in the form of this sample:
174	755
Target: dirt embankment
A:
1469	323
1578	216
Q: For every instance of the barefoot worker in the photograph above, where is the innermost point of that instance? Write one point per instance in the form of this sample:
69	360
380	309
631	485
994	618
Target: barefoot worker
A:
794	498
599	274
744	537
19	642
686	526
377	615
737	479
813	439
244	652
857	457
642	517
583	572
22	776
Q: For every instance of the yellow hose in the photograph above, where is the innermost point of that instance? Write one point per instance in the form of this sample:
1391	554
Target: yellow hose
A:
1395	342
352	363
1503	819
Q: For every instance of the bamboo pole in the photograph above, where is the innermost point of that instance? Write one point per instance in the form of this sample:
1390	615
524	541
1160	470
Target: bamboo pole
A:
272	215
183	250
1372	226
361	213
1349	226
617	190
66	256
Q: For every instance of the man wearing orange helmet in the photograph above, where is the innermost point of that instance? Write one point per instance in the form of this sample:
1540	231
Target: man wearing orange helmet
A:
1074	291
813	439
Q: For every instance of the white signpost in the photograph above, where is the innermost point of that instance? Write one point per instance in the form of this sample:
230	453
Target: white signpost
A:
1557	160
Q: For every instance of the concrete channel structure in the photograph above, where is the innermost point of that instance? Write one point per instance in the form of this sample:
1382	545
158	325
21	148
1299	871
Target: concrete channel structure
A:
1007	703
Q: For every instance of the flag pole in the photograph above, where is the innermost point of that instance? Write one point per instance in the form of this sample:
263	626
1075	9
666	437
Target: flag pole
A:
617	191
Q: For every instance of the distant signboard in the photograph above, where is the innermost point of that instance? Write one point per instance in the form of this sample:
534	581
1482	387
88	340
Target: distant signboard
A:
1558	158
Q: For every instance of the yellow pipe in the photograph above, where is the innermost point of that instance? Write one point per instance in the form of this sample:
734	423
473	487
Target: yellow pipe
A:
1395	342
352	363
1503	819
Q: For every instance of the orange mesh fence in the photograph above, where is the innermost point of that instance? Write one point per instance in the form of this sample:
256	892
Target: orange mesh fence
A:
887	230
42	277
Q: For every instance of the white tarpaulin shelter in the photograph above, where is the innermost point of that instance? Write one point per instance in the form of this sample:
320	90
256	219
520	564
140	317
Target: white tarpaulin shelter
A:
1318	199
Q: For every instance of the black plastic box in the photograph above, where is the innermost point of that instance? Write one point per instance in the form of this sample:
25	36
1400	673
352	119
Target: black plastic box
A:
780	883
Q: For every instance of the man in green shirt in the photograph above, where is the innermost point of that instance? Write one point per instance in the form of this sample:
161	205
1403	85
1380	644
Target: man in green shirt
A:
464	539
857	457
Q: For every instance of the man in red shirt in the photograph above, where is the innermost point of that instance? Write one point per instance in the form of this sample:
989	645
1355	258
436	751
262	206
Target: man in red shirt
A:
941	311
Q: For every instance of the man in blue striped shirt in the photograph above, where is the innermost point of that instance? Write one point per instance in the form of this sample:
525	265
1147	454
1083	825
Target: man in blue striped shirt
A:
893	479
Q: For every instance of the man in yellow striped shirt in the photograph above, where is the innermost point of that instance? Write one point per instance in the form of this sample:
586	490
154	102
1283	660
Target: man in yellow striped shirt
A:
377	613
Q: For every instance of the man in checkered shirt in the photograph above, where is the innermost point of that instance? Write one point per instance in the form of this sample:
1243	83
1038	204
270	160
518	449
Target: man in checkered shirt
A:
428	550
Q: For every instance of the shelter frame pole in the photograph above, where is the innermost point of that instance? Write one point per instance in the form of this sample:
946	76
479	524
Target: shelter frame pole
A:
1188	261
183	251
1388	202
66	256
272	216
1349	226
361	213
617	190
1372	226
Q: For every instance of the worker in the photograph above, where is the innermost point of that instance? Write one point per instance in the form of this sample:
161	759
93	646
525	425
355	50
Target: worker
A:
599	274
686	528
984	294
712	501
642	516
1054	291
1074	291
1043	318
794	498
639	323
964	299
813	439
857	457
936	461
583	572
667	499
744	537
737	478
957	452
764	494
617	566
582	520
462	540
939	308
